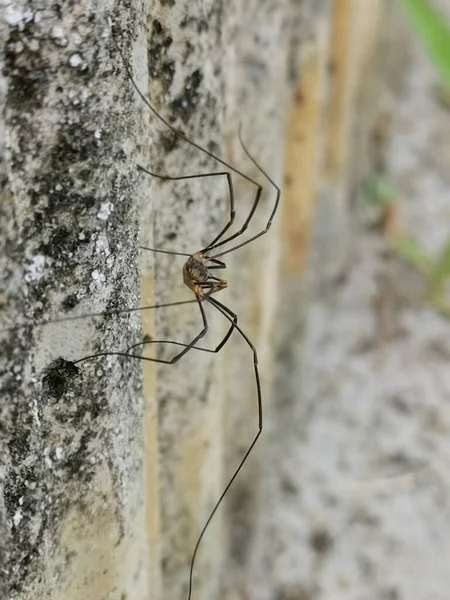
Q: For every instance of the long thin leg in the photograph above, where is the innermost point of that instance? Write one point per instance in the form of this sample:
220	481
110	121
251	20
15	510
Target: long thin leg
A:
217	174
215	243
255	204
244	226
173	360
218	264
177	132
164	251
181	135
272	214
215	350
105	313
226	312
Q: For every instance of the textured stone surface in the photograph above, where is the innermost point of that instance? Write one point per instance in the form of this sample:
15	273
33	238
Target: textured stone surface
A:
73	505
71	436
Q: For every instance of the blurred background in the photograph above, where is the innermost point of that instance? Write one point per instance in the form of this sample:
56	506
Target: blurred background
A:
354	497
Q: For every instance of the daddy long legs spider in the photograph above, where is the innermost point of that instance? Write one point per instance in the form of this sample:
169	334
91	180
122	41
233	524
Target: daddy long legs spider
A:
199	279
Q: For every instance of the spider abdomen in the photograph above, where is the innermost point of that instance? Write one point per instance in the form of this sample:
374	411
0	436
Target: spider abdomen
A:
195	271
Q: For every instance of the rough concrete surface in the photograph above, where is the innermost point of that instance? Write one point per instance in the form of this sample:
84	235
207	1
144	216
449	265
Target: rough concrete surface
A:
71	435
73	210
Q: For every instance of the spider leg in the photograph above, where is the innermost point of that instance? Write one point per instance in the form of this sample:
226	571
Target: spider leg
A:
218	264
182	136
230	316
164	251
271	216
242	229
215	350
104	313
216	174
173	360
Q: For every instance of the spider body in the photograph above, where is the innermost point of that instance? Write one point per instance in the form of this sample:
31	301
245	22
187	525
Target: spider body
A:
197	277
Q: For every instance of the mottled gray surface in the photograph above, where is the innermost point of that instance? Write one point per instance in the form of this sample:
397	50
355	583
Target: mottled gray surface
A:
71	436
235	59
185	41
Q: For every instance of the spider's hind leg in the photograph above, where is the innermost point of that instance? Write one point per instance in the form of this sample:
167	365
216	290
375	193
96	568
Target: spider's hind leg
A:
199	176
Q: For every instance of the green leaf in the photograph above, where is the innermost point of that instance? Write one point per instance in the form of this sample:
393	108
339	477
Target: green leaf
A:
413	253
434	33
380	190
440	271
441	305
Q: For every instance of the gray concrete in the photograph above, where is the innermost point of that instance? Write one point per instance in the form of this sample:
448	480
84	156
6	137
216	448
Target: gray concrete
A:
73	502
71	436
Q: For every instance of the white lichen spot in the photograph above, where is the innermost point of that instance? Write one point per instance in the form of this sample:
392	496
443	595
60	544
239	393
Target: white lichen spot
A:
97	279
35	269
106	209
18	516
35	412
57	35
59	453
28	16
17	47
76	61
81	236
98	134
21	501
33	45
101	246
13	16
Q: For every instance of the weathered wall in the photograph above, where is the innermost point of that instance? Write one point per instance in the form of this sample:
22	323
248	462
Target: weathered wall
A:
236	61
103	490
71	437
